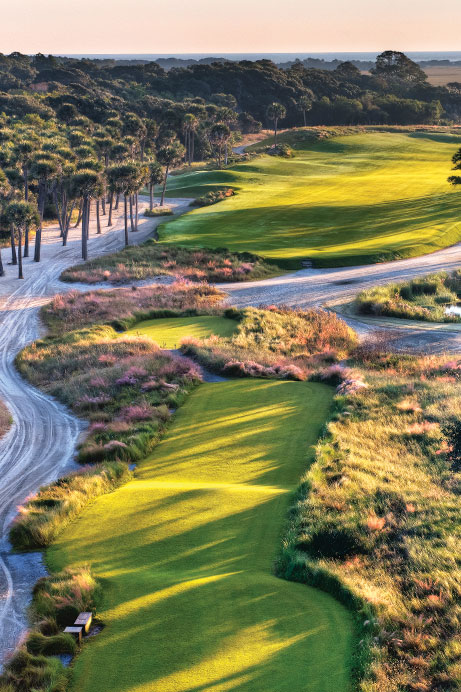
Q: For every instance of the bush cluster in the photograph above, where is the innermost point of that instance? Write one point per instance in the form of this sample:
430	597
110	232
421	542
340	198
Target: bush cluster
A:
212	197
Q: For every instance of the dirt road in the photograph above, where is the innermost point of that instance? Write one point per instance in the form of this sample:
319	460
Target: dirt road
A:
40	445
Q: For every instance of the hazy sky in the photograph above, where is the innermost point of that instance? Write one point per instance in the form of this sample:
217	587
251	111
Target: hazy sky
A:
220	26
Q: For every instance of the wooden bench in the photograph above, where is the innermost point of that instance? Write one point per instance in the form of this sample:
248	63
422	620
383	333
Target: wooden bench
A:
84	620
75	632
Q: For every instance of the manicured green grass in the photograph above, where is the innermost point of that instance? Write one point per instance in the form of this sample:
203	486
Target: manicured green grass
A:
348	199
185	555
168	332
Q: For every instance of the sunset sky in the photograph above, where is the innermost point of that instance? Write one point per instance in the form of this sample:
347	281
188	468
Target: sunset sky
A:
211	26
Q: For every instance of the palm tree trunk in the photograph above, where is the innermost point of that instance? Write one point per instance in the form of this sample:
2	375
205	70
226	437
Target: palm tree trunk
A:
41	209
80	213
125	214
131	213
98	220
84	230
103	204
20	274
136	212
275	132
2	271
111	202
116	201
14	259
192	148
151	196
26	199
162	202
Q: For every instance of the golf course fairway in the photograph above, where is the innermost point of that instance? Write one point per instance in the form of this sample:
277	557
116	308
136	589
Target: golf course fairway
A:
345	200
185	552
167	332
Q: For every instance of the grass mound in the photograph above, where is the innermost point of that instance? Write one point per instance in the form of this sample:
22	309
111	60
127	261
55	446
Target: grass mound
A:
123	307
168	332
125	386
185	552
419	299
345	200
275	342
150	259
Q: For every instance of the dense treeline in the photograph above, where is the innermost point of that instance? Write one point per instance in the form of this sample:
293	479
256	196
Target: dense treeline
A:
79	136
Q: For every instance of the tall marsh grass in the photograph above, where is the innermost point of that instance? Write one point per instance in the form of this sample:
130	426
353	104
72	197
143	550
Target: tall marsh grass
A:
423	299
376	522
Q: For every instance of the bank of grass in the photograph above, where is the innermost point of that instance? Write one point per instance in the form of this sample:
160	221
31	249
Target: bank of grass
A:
185	552
377	517
123	307
5	419
342	200
419	299
169	331
125	386
275	342
150	259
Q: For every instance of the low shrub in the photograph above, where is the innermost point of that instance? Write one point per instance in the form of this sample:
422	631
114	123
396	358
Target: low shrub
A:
158	211
419	299
282	150
212	197
5	419
152	259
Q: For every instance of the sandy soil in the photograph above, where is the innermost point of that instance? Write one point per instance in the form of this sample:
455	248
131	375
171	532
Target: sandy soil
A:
41	442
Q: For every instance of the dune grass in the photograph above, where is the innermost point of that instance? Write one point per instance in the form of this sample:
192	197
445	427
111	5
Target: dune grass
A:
425	298
5	419
344	200
169	331
185	554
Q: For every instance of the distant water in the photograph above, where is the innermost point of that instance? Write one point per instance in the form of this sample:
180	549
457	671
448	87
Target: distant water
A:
275	57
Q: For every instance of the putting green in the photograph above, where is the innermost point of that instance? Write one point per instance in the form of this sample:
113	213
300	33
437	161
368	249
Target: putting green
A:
351	199
185	554
168	332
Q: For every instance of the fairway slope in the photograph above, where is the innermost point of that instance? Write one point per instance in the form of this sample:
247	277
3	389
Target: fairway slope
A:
352	199
185	555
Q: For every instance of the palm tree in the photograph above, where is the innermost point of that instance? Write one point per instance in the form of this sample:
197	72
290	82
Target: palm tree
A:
169	156
121	181
305	103
87	185
154	177
219	136
24	150
190	124
276	112
19	216
43	168
4	193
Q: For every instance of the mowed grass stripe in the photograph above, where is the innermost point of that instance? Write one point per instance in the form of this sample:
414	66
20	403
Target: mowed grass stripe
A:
185	552
351	199
167	332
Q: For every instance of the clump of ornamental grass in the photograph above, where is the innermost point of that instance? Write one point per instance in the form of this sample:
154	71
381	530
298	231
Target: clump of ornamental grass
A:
123	307
419	299
125	386
5	419
275	343
152	259
376	520
41	517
